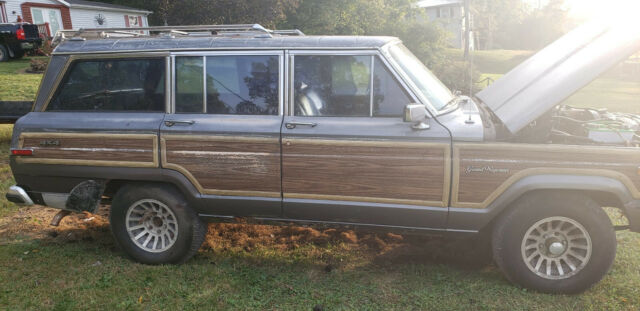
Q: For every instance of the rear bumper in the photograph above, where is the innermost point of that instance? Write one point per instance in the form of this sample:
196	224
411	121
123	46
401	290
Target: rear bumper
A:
19	196
632	210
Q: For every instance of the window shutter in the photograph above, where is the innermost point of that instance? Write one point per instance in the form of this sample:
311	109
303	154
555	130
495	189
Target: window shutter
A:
140	21
126	21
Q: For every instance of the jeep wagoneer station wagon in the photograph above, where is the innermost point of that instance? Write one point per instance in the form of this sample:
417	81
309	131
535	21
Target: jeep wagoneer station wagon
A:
176	126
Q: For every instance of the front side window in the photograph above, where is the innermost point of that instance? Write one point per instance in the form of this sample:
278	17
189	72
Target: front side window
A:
346	86
239	85
112	85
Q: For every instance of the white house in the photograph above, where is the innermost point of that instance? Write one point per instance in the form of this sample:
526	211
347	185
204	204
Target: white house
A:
450	14
72	14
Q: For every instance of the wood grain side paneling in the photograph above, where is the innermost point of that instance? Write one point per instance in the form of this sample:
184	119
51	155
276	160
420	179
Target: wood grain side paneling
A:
241	166
483	172
382	172
127	150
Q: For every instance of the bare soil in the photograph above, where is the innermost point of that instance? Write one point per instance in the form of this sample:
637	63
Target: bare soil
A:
31	223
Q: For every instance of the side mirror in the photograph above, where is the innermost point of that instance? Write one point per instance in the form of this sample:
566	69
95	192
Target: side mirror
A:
418	115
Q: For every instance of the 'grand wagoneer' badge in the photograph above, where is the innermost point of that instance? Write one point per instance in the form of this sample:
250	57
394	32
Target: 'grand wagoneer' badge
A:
486	169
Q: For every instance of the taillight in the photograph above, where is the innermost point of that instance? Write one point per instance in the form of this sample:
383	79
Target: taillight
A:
22	152
20	34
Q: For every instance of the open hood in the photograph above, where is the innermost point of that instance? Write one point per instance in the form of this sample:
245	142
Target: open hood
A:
558	71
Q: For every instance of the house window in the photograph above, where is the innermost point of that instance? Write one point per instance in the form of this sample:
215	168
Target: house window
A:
446	12
133	21
46	15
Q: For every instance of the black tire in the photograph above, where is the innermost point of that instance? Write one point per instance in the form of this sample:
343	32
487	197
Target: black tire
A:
511	228
18	54
4	53
191	230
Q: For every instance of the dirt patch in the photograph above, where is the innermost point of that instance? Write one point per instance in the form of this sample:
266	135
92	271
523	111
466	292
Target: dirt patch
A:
382	248
33	223
249	236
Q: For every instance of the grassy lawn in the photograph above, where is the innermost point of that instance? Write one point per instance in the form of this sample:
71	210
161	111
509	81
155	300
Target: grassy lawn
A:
17	86
611	91
245	267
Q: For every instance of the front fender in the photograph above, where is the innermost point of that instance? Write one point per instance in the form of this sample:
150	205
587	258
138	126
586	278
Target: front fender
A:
474	219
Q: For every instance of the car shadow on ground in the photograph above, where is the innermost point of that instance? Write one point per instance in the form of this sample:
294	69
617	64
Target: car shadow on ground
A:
236	240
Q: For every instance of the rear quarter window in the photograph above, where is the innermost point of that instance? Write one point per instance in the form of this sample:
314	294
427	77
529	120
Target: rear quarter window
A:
126	85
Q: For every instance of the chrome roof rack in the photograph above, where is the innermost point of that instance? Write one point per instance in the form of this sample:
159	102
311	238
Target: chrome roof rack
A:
238	30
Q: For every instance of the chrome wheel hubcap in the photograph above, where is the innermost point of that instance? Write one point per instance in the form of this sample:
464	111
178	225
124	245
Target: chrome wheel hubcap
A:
556	248
151	225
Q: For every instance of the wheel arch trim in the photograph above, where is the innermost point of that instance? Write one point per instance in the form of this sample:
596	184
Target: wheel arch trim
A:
475	219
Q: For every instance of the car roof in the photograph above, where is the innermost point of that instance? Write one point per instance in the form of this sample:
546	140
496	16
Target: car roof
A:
149	44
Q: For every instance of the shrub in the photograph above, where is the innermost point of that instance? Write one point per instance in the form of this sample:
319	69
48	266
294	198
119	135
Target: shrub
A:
38	65
458	75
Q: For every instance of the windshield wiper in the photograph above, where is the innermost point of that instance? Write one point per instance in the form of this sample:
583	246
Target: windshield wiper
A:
454	101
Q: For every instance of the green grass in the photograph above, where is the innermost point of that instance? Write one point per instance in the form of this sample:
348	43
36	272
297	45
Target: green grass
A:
494	61
15	86
617	95
613	91
40	274
6	178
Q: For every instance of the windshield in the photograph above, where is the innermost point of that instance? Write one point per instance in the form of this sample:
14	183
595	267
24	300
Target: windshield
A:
430	88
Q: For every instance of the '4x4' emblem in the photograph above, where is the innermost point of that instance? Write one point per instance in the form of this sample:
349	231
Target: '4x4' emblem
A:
47	143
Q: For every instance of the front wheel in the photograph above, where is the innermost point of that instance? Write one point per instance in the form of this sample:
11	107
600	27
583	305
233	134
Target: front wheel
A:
154	224
554	243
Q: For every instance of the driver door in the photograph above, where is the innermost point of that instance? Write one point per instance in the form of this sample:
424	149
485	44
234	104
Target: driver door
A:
347	155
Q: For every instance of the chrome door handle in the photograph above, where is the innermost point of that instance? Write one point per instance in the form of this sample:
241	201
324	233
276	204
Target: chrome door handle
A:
171	123
292	125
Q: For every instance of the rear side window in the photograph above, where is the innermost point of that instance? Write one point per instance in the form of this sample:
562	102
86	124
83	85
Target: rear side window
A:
112	85
236	85
346	86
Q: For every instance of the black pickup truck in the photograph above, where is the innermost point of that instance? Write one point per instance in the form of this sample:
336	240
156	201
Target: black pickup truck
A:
16	39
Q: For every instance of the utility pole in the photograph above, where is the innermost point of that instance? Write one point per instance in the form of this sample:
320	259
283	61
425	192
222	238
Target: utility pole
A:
467	28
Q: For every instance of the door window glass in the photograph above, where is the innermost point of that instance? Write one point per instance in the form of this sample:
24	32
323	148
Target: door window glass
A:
243	85
112	85
332	86
340	86
38	17
389	97
51	16
54	20
189	84
235	84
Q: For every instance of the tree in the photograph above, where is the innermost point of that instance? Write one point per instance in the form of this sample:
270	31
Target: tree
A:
543	26
199	12
494	20
511	24
398	18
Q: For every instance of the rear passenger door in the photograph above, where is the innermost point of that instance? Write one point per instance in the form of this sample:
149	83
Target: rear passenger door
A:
223	130
347	155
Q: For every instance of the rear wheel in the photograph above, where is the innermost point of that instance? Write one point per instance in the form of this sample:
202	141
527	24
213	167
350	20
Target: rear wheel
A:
554	243
4	53
18	54
154	224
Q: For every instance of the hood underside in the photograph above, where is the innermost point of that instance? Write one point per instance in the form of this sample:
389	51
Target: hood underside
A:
558	71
